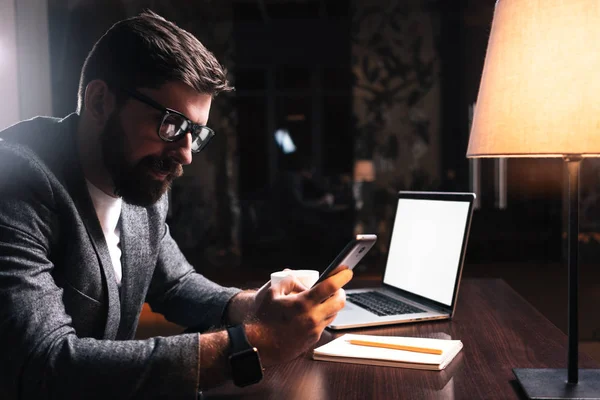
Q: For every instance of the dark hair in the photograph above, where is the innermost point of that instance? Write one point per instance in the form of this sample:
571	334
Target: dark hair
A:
148	51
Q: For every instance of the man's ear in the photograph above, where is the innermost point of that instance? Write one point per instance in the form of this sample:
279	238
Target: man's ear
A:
99	101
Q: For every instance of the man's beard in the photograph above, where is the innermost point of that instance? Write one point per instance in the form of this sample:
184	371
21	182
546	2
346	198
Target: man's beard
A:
134	183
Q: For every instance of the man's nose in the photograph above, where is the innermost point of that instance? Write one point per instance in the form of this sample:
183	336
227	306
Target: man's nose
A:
182	150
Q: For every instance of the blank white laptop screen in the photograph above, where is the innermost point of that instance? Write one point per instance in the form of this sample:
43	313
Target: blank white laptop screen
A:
426	246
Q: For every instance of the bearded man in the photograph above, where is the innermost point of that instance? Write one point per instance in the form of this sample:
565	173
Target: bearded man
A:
84	242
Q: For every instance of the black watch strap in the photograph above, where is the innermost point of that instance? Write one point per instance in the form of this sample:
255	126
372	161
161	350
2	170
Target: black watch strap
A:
238	339
244	360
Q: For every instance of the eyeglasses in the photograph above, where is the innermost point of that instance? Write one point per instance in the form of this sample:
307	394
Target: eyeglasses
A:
174	125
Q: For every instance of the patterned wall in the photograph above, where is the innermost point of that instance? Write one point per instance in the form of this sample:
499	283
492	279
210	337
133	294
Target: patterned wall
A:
396	103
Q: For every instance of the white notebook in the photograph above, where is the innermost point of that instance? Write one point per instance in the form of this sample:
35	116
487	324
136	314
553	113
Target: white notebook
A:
340	350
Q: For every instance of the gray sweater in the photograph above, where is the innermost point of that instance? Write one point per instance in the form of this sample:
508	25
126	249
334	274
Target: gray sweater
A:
65	327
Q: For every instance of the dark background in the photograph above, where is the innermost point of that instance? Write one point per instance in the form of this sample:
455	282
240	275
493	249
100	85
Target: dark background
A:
391	82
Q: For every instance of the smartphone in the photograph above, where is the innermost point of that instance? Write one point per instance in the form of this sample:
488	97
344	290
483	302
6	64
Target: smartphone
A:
349	257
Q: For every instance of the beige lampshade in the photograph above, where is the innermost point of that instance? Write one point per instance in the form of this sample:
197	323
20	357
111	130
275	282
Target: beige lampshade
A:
540	89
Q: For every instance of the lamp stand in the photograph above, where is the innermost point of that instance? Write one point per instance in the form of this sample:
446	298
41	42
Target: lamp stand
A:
571	383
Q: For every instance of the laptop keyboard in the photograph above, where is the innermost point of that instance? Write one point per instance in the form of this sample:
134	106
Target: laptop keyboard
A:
380	304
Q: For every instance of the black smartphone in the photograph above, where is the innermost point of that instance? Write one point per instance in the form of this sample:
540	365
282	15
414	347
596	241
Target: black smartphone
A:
349	257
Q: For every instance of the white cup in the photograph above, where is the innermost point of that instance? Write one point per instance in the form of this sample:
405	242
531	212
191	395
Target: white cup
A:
307	277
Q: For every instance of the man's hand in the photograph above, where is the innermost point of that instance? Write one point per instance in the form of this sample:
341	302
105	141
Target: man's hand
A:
291	319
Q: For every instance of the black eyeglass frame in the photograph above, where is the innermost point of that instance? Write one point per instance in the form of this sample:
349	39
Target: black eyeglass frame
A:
193	127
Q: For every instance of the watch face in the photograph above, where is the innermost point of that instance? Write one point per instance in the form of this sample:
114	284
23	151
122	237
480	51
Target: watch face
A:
245	367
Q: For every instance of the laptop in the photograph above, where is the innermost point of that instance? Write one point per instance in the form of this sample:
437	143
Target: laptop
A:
423	267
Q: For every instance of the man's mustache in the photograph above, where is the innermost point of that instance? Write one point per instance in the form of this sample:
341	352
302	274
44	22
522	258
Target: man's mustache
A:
165	165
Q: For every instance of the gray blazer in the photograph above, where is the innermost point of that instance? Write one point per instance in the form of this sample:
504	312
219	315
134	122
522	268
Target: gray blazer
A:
66	328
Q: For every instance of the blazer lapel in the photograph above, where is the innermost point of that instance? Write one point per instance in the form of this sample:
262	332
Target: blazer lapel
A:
135	262
75	181
92	225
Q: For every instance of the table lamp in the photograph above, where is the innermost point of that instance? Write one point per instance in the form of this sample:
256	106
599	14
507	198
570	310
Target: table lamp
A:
540	97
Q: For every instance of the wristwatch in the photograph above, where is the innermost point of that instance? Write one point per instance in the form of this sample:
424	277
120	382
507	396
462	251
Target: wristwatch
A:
244	360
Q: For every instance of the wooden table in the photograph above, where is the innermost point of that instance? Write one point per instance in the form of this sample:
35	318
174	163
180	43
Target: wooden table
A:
499	329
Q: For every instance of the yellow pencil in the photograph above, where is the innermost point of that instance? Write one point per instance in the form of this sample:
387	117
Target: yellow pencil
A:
394	346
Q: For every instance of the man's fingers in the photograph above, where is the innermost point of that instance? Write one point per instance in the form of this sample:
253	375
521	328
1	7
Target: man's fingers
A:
332	305
329	320
289	284
329	286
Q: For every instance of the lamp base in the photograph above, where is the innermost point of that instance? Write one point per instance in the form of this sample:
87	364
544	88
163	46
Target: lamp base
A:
547	383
